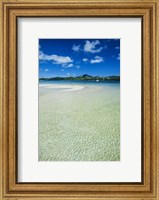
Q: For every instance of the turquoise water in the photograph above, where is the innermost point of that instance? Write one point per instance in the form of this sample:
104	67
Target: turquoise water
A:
104	83
82	124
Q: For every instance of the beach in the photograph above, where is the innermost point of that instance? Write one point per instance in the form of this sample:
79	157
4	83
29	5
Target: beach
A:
79	121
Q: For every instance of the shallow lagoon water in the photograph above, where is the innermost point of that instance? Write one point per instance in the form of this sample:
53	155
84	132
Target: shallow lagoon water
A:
79	121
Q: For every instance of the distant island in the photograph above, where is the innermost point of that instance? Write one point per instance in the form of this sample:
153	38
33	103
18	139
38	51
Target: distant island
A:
84	77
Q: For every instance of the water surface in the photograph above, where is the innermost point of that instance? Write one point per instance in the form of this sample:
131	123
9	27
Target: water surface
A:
79	123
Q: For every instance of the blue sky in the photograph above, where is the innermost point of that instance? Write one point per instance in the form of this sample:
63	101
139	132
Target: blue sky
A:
75	57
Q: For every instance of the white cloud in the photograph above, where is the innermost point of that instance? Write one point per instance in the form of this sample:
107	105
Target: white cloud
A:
62	70
55	58
68	74
78	67
97	59
69	65
85	59
91	46
46	70
117	47
41	55
118	57
76	47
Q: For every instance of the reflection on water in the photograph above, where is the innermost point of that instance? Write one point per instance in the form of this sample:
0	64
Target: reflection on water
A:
79	121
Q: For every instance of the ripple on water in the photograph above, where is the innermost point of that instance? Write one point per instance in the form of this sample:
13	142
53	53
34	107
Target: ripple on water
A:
81	125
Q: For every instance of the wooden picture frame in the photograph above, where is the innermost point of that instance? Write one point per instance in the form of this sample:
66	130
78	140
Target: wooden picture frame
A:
148	10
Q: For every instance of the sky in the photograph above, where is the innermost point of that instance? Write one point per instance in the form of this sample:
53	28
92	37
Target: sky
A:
75	57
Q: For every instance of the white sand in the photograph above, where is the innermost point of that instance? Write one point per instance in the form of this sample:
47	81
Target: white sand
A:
65	88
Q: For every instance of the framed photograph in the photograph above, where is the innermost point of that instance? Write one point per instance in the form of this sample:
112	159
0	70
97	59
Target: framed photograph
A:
79	99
